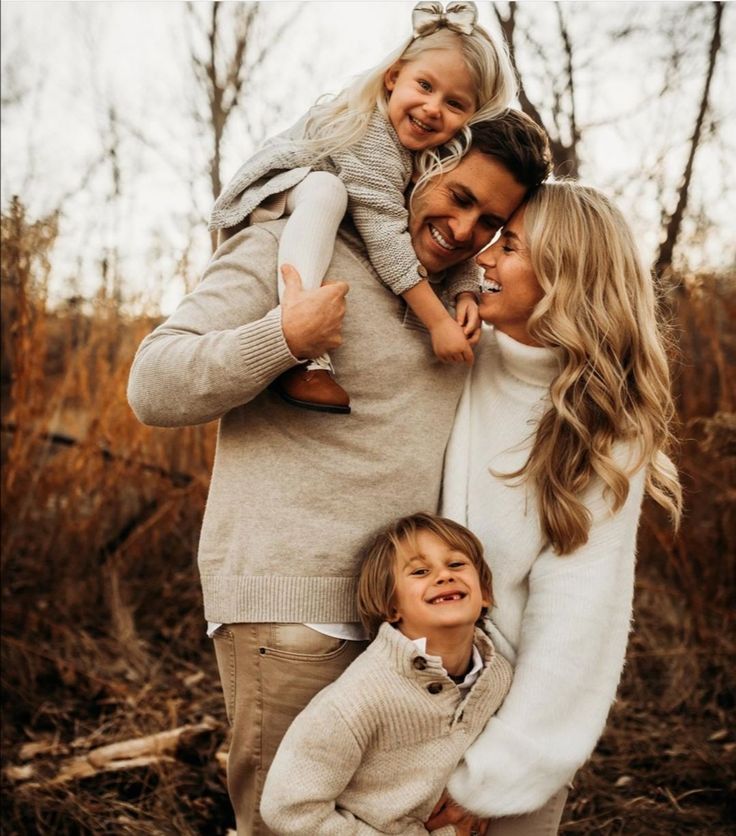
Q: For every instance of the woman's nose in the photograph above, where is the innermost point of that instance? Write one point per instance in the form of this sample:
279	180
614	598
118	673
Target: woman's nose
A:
487	258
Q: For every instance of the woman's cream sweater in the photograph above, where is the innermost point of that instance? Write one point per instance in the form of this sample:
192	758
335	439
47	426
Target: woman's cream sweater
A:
562	621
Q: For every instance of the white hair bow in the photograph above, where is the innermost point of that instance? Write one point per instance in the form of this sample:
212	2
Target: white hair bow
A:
428	17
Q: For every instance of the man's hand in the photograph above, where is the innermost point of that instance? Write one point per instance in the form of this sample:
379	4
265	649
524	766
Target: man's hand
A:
311	319
446	812
449	342
467	316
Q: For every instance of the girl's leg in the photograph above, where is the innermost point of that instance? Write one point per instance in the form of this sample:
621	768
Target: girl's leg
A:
316	206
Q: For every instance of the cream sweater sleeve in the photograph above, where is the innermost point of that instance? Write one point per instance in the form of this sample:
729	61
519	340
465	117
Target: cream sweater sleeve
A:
221	346
571	653
314	764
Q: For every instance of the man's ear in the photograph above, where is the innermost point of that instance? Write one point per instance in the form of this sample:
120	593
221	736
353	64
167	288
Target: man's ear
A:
390	76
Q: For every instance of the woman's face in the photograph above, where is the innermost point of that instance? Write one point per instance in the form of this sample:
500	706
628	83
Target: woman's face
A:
509	290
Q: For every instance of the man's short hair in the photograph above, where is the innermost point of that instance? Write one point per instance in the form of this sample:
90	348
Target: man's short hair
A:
377	579
518	143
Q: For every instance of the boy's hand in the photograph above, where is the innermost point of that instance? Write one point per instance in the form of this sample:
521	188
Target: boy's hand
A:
311	319
467	316
449	342
446	812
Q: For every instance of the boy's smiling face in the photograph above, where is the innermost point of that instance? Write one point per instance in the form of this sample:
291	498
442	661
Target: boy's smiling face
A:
437	588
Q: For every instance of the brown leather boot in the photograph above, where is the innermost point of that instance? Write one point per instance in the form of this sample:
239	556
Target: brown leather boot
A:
312	389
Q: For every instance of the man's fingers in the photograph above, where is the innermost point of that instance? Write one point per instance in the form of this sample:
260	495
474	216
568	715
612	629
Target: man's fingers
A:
292	279
341	287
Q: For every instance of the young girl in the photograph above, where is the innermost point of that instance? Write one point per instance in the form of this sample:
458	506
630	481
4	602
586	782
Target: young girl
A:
360	150
372	752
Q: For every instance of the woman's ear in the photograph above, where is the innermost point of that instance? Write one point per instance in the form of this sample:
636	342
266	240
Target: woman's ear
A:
390	76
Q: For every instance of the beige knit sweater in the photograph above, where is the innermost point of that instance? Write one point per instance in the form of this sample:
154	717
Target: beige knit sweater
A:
294	494
372	752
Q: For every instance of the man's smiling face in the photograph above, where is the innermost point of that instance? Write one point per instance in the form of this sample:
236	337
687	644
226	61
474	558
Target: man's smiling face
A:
459	212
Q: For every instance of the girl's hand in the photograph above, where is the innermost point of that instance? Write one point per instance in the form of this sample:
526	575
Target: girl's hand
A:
446	812
449	342
467	316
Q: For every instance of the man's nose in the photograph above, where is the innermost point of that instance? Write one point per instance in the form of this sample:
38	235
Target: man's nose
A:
462	227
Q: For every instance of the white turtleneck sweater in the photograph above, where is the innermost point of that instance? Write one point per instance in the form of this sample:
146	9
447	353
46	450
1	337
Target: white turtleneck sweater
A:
563	622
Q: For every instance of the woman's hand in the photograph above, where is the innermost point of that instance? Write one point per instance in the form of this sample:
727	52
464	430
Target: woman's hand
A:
446	812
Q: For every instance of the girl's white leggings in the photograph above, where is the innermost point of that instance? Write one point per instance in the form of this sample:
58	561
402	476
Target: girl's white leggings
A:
315	207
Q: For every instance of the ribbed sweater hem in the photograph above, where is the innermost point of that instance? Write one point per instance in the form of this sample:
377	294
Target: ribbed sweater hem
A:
231	599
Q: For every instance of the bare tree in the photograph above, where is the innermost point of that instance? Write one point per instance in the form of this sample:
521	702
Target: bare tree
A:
562	124
663	262
225	56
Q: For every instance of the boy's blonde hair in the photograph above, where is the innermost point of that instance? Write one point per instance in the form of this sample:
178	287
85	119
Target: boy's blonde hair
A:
336	124
377	579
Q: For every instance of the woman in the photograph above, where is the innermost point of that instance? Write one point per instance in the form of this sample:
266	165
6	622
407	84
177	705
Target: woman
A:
562	428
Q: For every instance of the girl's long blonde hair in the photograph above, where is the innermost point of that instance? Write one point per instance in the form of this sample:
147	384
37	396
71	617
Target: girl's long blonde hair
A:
336	124
600	309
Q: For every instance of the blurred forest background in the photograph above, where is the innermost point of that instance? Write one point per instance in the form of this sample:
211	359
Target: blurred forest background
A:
120	123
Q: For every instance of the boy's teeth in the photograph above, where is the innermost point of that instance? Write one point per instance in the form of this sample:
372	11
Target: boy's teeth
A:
455	596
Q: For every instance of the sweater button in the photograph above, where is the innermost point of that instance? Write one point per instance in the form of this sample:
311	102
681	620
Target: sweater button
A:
434	687
419	663
422	271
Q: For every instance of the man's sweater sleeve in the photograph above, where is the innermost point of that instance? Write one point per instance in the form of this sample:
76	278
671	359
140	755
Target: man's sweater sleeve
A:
314	764
571	653
375	173
222	345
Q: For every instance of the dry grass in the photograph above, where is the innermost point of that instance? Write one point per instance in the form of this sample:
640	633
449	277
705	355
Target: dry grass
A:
102	620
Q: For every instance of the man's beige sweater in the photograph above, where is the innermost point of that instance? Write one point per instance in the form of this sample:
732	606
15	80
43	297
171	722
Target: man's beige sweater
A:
373	751
295	493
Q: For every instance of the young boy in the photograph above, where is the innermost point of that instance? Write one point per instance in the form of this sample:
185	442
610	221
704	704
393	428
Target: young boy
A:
372	752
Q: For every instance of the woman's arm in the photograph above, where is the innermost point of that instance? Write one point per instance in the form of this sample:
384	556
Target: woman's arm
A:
570	656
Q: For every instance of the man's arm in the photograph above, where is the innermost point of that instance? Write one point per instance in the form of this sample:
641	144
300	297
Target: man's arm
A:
228	339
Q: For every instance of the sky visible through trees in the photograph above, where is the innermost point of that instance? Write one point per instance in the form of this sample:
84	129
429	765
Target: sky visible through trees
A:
108	116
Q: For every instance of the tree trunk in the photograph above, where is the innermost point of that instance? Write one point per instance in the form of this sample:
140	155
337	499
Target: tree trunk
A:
663	263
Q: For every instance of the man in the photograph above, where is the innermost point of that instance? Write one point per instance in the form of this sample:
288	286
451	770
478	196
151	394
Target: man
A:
294	494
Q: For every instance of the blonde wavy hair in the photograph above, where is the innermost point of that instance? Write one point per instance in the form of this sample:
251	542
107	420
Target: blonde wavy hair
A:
338	123
600	310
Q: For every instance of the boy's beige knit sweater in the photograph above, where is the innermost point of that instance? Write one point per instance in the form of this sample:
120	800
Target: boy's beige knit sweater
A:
294	494
372	752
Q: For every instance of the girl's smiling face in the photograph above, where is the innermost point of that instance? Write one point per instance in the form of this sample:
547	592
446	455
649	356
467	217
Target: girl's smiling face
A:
509	289
430	98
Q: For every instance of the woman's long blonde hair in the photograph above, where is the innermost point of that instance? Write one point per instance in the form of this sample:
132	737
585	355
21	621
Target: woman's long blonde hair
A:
600	309
338	123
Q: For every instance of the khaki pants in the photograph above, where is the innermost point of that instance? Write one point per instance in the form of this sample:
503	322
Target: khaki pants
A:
542	822
269	672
